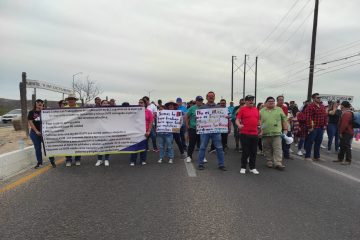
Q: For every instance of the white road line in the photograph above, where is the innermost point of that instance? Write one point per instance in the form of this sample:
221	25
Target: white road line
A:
338	172
190	169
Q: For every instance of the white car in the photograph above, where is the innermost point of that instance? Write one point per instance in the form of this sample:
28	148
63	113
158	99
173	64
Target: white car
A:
16	113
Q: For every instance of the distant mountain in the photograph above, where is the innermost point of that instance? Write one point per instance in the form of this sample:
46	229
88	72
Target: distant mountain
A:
7	105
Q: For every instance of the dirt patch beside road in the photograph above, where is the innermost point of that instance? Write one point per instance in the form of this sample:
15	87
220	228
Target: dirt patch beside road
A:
9	139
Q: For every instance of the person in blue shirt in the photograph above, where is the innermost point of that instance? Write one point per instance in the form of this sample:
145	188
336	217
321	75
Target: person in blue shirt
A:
183	127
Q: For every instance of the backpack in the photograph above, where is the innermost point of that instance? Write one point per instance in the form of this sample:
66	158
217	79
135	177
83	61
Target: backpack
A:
356	119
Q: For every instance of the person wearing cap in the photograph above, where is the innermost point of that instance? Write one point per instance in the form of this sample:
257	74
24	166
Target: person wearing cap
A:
215	137
71	100
183	110
316	122
247	121
165	139
273	124
346	133
34	120
190	122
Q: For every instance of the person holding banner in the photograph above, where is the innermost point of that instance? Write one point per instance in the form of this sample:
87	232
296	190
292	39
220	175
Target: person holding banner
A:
248	120
104	103
149	118
214	136
71	100
34	120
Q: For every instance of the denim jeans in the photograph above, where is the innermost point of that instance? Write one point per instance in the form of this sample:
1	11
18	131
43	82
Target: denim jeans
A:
165	142
315	137
153	138
106	157
37	145
333	132
133	157
301	144
204	141
69	158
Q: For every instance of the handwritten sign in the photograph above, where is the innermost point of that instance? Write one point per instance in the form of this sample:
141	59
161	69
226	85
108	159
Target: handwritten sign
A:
168	121
212	120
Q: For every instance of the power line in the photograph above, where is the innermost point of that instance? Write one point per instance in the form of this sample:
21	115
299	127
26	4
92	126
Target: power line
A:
339	59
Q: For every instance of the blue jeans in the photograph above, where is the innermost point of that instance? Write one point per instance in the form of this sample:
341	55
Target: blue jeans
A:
333	131
37	145
165	142
69	158
301	144
106	156
315	137
133	157
204	141
153	138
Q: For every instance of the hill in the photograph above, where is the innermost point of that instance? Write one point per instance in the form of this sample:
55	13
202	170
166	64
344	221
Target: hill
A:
7	105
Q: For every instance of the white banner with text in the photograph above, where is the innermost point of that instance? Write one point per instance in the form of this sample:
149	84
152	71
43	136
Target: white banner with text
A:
168	121
212	120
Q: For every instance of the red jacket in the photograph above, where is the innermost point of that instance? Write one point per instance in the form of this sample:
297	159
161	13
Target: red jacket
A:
345	123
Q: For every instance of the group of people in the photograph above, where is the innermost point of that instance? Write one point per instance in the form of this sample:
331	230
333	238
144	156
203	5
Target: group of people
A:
267	126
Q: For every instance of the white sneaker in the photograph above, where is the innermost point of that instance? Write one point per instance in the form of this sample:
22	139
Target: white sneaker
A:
132	164
98	163
170	160
254	171
160	160
323	147
205	161
296	144
77	163
188	159
143	163
290	150
242	170
299	153
68	164
107	163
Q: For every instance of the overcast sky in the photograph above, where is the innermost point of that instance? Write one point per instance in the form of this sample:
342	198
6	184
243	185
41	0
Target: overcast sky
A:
179	48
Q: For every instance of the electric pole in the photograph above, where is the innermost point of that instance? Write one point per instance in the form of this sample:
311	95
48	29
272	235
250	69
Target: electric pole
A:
313	48
256	60
232	77
244	76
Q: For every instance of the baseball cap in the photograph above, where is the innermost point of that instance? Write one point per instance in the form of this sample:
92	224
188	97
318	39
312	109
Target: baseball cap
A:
199	98
178	99
248	97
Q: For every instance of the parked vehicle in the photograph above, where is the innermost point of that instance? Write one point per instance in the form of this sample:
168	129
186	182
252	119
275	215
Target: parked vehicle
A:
11	115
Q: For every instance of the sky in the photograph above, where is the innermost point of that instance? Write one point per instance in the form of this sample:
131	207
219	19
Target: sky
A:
179	48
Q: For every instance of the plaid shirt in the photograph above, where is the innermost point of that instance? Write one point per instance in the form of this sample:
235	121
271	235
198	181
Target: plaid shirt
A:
316	116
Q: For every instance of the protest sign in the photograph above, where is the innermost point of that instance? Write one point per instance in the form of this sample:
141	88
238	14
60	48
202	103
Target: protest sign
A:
212	120
91	131
168	121
334	98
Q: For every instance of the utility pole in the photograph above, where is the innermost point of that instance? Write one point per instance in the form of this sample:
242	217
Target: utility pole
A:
232	77
256	60
244	76
23	103
313	48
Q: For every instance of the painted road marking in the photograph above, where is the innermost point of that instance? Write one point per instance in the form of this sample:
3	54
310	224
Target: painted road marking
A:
29	177
190	169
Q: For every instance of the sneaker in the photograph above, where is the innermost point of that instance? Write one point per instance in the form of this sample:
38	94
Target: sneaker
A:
242	170
183	156
171	161
240	150
156	150
53	165
345	162
201	167
296	144
279	167
323	147
77	163
160	160
107	163
205	161
98	163
188	159
316	159
299	153
337	160
132	164
143	163
37	166
68	164
254	171
290	150
212	150
223	168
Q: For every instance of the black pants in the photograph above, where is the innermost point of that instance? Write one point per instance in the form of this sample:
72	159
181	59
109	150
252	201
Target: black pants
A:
249	149
193	140
177	138
260	144
345	147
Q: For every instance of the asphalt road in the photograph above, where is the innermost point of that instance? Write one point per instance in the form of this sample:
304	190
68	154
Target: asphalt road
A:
161	201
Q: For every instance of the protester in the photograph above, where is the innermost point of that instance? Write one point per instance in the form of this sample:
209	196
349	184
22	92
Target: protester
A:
152	108
260	106
332	129
247	121
149	118
106	157
346	132
112	102
190	121
165	139
97	101
301	131
285	147
215	137
34	121
224	136
231	108
273	123
236	130
71	100
293	108
183	110
316	121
